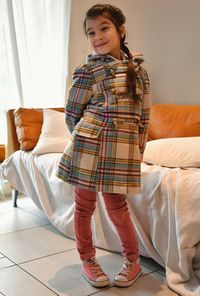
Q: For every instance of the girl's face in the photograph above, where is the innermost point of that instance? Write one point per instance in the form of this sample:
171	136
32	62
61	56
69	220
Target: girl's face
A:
103	36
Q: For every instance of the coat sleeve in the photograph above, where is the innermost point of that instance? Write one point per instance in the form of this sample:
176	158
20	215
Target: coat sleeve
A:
144	120
79	95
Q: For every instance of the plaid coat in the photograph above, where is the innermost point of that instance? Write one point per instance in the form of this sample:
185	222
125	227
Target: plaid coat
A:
109	128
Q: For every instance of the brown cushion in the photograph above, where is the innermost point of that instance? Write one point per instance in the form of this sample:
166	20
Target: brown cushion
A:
28	123
169	121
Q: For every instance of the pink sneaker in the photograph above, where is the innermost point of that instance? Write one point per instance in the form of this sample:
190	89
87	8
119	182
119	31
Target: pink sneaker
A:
94	274
128	274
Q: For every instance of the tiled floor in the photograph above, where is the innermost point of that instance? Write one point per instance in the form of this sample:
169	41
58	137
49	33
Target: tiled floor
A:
37	260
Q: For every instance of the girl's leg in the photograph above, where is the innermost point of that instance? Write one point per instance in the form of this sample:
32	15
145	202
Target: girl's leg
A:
118	212
85	202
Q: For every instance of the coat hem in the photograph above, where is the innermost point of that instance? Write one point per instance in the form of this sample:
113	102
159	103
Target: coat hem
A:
119	190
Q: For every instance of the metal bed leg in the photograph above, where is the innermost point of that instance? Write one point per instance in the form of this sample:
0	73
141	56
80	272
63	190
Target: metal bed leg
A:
14	197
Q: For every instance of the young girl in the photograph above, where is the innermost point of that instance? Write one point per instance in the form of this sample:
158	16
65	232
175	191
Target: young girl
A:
107	113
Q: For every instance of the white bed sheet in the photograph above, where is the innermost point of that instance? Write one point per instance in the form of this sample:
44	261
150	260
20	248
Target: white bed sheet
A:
166	215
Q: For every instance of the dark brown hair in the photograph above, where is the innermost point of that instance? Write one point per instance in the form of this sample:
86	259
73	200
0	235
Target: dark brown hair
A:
116	16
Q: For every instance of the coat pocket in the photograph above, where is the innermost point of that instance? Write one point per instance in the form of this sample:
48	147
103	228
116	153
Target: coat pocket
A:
126	124
88	129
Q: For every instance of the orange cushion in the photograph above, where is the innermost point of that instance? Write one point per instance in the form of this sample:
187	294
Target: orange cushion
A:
2	152
169	121
28	123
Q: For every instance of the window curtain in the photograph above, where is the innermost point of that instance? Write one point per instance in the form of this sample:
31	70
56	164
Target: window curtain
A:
33	54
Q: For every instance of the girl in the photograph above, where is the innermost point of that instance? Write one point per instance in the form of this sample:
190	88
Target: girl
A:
107	113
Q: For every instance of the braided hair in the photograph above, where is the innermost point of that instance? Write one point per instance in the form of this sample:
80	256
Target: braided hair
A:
116	16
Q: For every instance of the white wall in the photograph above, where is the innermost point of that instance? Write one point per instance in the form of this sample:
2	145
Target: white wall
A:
166	32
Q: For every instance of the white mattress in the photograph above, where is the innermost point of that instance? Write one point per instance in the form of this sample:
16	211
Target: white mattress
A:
166	215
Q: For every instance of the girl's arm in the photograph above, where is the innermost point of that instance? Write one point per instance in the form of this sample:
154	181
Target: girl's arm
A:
144	120
78	96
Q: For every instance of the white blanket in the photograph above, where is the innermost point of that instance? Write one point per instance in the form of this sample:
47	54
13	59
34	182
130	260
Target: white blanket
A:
166	215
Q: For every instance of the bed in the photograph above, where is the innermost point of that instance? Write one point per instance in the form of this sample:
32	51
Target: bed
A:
167	212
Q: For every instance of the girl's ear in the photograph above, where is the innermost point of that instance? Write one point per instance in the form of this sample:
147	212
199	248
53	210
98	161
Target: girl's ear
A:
122	31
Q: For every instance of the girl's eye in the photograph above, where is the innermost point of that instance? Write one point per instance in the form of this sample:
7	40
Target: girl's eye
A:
104	28
90	34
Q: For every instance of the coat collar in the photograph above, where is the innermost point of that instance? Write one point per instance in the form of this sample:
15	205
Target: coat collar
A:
137	58
101	57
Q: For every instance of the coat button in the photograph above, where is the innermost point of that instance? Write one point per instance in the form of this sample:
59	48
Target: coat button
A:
118	94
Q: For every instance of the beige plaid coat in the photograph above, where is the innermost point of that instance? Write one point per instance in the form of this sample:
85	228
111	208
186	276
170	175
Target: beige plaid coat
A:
108	126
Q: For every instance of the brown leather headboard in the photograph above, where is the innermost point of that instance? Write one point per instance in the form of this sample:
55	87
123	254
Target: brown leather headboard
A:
21	121
166	120
170	121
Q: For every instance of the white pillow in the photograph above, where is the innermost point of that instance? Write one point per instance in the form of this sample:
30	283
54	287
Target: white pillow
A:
173	152
54	134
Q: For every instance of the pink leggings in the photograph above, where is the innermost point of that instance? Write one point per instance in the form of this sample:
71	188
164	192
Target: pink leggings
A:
119	214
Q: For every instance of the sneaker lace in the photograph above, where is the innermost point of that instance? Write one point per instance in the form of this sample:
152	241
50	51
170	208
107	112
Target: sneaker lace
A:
96	268
126	268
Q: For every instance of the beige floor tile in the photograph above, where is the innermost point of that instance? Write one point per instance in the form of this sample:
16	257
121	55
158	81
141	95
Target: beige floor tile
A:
15	282
4	262
34	243
35	211
17	219
7	205
49	262
62	272
10	215
24	203
148	285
